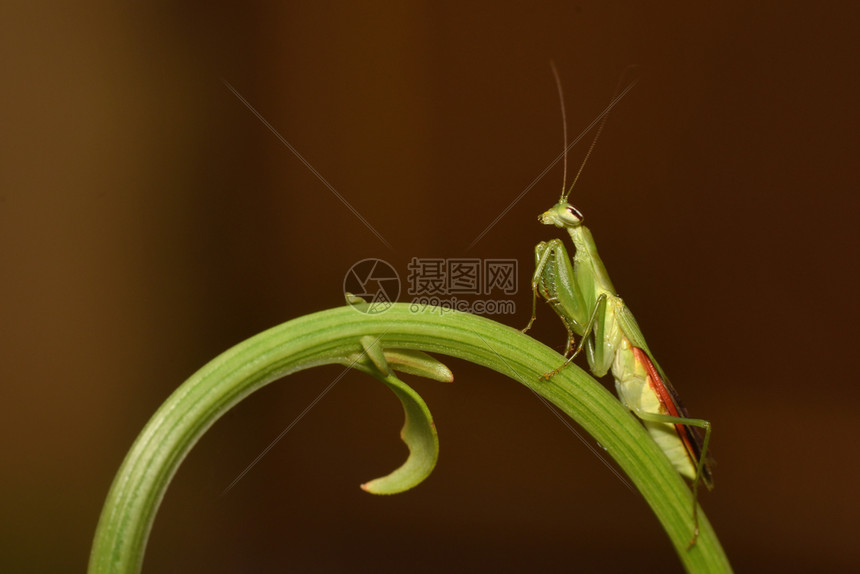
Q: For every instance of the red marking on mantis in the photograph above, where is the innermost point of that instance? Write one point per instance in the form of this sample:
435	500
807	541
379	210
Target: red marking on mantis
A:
668	399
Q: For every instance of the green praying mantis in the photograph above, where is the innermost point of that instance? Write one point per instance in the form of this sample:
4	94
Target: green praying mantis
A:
582	295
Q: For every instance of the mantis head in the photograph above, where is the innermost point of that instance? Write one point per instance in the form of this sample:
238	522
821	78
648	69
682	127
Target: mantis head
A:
562	214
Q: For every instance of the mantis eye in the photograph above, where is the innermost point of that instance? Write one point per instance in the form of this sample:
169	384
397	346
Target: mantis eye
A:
573	213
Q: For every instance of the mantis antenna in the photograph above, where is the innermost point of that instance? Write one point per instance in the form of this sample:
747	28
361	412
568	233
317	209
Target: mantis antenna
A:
615	97
563	123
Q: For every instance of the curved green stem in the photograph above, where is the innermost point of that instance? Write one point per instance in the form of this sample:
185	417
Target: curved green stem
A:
332	337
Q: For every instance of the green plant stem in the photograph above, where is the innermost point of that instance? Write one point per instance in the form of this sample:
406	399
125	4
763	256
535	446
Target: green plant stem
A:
330	337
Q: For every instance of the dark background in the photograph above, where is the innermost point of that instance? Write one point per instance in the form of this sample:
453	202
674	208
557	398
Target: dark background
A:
148	221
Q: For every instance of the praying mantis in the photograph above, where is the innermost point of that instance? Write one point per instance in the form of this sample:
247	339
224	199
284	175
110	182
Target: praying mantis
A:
582	295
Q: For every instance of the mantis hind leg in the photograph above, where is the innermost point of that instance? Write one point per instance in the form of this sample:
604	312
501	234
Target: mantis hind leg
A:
701	469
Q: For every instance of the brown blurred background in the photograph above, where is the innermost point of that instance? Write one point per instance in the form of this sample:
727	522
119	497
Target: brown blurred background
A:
148	221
